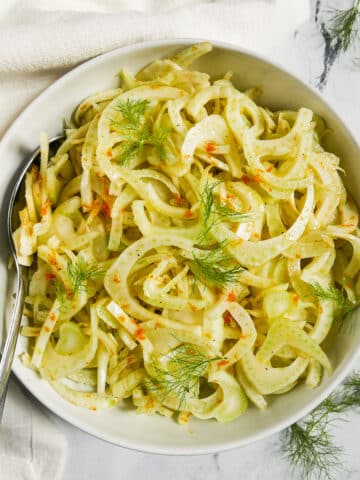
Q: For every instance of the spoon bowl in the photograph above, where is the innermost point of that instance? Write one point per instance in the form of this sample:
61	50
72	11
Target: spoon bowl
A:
21	272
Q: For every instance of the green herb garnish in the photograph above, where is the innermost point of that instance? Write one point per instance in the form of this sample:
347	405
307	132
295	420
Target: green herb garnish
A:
343	306
216	267
79	272
185	365
309	446
132	111
136	132
215	212
343	26
61	295
310	450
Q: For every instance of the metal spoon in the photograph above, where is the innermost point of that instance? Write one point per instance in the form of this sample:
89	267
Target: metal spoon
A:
21	271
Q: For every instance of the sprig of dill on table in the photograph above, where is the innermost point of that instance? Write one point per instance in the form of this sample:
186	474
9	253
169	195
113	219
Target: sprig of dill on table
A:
309	446
343	306
180	376
216	267
215	212
136	132
343	26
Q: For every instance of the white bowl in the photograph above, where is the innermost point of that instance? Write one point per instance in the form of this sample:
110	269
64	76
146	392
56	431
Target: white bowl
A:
123	426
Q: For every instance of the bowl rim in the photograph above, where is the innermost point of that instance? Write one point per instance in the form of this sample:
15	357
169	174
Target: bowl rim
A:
336	378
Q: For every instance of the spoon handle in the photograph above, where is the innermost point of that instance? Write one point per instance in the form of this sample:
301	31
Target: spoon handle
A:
12	335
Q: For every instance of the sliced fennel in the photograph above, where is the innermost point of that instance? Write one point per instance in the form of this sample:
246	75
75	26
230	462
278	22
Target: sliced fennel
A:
189	250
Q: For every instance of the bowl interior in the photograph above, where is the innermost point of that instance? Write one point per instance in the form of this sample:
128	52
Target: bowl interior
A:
122	425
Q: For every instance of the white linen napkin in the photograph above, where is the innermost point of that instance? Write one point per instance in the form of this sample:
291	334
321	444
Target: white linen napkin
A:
39	41
31	447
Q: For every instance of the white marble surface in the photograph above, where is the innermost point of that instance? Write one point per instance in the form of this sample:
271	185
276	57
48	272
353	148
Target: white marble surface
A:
90	458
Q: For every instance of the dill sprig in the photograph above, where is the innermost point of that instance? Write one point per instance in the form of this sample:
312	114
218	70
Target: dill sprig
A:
216	267
180	376
310	450
351	392
79	272
343	306
215	212
343	26
135	131
309	446
132	111
61	295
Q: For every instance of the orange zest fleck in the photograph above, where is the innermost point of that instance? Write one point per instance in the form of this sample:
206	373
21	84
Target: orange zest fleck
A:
69	293
296	298
50	276
47	329
210	147
52	258
180	201
192	307
188	214
116	279
298	255
231	296
149	403
105	208
222	363
121	319
139	334
52	316
270	169
242	336
45	207
257	178
109	152
227	318
246	179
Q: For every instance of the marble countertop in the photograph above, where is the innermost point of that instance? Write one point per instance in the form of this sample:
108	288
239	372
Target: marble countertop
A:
308	54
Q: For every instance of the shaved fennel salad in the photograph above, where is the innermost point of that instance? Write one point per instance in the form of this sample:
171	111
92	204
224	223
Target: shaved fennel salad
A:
188	249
